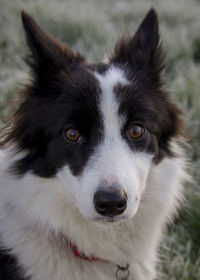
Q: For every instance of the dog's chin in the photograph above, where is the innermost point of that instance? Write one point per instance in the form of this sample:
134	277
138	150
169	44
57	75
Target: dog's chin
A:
110	219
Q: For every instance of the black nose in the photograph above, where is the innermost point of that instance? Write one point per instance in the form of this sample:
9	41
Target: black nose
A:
110	203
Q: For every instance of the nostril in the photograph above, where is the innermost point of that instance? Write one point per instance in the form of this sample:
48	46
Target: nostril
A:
101	206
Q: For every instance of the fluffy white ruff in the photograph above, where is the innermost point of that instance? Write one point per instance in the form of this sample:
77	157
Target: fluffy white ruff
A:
30	207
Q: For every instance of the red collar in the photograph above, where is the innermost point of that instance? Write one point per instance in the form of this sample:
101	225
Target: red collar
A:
81	255
78	253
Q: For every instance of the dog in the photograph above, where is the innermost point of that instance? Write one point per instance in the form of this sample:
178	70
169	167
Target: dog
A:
91	165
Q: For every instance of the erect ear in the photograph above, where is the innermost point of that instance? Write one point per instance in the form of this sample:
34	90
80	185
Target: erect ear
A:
46	50
143	46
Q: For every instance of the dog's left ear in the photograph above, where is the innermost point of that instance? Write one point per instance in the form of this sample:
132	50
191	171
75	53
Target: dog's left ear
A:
143	47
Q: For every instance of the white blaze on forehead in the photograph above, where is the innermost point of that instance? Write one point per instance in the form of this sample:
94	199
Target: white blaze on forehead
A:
109	104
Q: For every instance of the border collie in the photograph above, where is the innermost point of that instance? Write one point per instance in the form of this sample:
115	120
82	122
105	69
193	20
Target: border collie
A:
90	165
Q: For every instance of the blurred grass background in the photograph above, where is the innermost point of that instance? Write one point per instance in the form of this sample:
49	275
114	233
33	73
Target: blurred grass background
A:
92	27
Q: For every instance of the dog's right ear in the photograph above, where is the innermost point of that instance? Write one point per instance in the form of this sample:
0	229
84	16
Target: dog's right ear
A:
46	50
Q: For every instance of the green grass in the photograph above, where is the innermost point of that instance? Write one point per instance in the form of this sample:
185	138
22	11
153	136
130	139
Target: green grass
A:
91	27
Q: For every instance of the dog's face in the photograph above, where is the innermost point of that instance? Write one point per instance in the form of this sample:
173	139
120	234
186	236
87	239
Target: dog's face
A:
98	128
110	160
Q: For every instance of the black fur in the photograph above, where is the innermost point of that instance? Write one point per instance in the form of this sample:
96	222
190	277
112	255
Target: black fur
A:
44	119
63	94
9	268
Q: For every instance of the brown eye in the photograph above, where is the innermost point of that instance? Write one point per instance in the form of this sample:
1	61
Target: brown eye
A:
72	134
136	131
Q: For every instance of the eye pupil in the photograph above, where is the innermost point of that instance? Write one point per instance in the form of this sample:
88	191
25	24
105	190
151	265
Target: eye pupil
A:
72	134
136	131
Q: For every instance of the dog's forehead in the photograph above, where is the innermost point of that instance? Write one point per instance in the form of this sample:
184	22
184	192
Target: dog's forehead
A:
111	78
108	81
97	82
109	104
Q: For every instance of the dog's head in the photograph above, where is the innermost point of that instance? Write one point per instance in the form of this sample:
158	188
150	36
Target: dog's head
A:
97	128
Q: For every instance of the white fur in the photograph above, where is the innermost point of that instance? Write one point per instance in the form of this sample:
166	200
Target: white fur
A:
31	208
